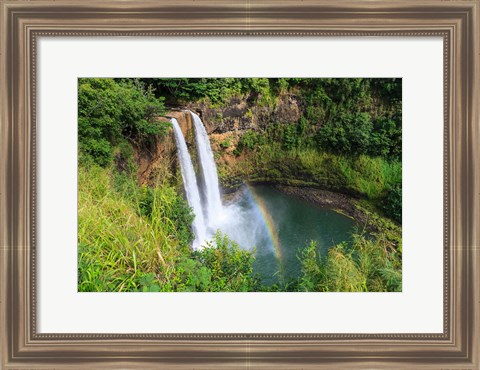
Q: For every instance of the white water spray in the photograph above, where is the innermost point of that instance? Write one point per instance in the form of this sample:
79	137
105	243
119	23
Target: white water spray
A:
191	187
213	202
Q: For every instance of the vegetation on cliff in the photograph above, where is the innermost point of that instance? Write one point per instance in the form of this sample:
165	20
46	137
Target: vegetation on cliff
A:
345	137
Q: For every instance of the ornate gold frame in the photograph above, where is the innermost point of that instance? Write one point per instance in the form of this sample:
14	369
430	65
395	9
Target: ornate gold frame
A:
23	21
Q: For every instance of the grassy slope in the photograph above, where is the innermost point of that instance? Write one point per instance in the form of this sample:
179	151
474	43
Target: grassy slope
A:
134	239
117	246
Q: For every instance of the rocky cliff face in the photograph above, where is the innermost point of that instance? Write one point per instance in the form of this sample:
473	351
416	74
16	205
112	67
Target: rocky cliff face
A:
224	124
159	161
185	122
239	115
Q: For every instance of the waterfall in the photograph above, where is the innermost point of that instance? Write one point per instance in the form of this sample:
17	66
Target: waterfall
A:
214	209
190	184
241	222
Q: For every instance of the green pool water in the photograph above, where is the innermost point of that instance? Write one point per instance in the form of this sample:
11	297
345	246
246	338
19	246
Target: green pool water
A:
291	224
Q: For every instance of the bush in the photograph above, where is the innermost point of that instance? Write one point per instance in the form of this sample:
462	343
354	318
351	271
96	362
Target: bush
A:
290	137
222	266
393	203
225	144
111	111
348	134
250	140
231	266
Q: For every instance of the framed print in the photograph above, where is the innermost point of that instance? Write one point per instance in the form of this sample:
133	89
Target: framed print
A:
239	185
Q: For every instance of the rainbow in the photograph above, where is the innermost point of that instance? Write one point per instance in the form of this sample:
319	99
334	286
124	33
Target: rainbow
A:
268	221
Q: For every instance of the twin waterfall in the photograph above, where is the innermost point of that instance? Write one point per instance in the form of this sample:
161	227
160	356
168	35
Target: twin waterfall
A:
190	185
204	224
209	170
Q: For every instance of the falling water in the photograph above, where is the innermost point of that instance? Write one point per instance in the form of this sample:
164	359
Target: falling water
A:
214	209
190	184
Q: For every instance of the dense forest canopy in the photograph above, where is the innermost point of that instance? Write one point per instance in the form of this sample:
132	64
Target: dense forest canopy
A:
347	138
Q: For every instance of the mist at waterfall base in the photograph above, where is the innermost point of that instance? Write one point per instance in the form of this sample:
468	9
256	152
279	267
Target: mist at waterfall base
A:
277	225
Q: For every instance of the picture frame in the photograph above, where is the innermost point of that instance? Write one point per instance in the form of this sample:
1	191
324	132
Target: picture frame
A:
23	22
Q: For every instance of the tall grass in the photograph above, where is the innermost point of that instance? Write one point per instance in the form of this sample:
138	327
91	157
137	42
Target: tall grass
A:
369	264
117	245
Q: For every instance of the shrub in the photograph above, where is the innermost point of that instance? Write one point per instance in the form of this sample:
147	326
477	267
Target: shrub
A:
250	140
312	273
230	265
222	266
393	202
348	134
111	111
225	144
290	137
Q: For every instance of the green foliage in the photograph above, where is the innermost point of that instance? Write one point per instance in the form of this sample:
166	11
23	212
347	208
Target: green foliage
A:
312	272
222	266
249	140
111	111
146	200
345	140
261	90
349	116
349	134
219	91
152	204
355	134
230	265
182	90
117	244
282	84
370	264
393	202
225	144
387	89
290	138
359	116
386	139
191	276
148	283
135	239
